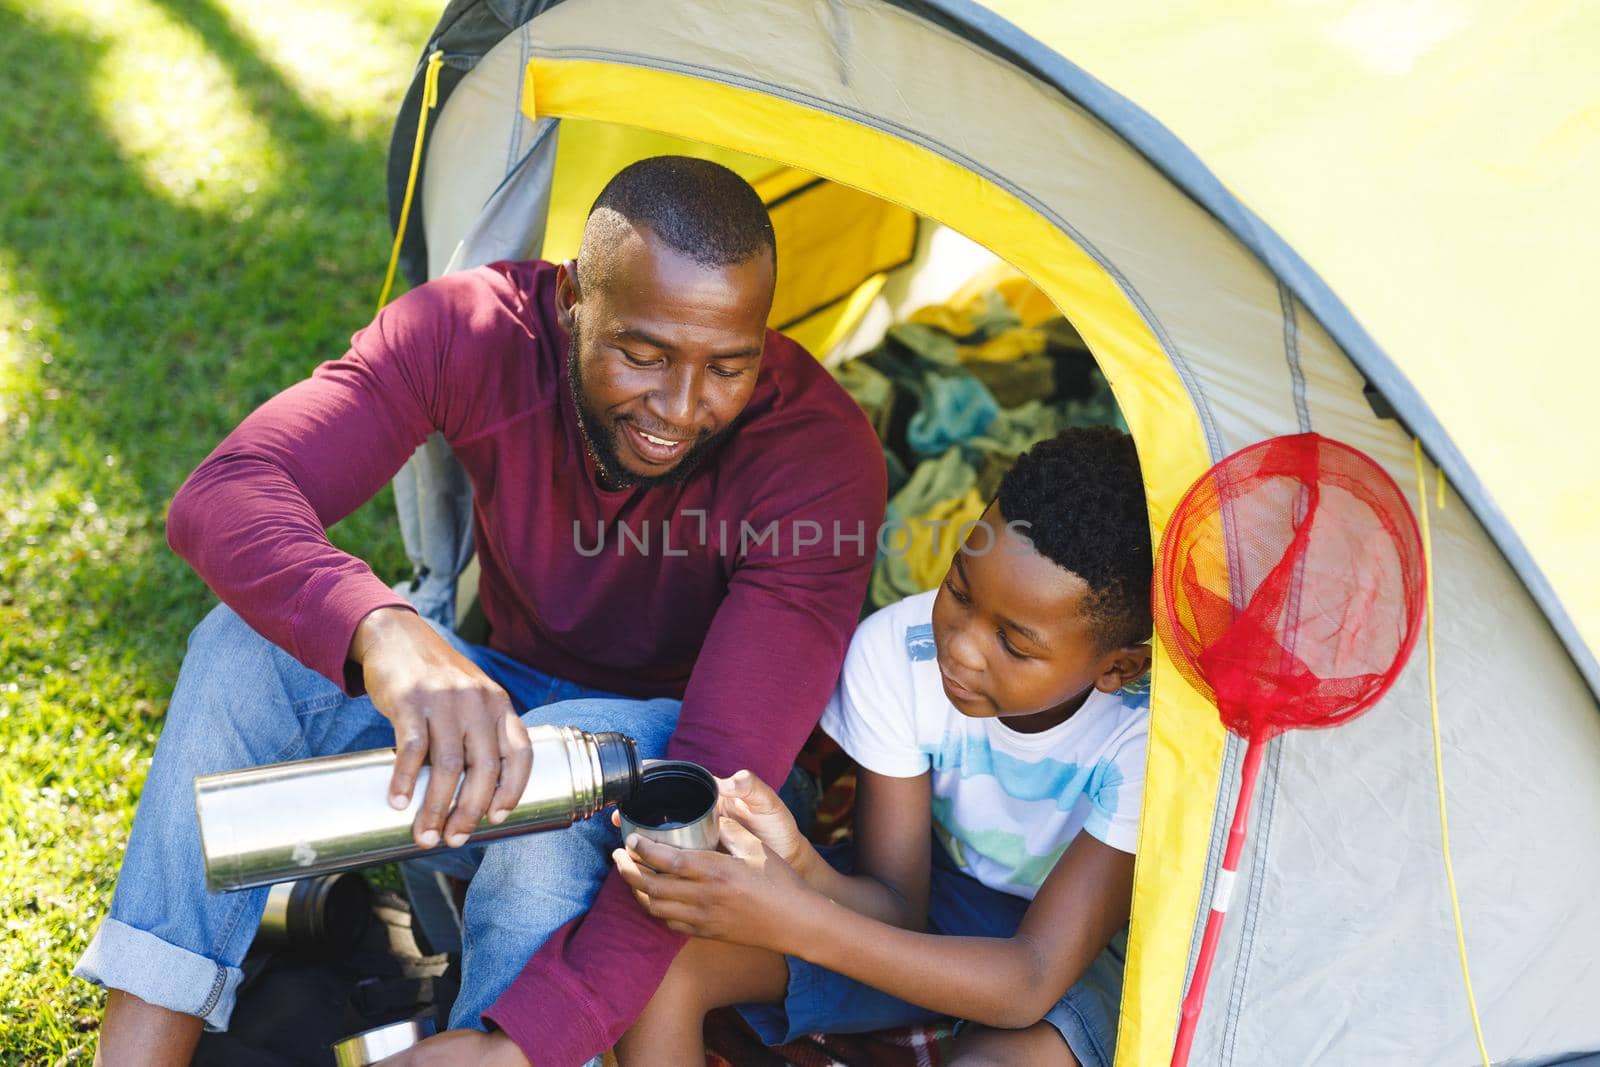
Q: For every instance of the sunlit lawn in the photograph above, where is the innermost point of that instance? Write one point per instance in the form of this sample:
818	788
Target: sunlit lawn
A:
192	215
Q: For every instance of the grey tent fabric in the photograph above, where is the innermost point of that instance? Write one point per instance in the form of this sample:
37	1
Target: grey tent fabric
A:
434	500
432	493
511	224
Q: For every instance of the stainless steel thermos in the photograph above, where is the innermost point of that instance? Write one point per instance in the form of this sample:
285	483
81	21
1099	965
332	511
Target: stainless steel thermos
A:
293	820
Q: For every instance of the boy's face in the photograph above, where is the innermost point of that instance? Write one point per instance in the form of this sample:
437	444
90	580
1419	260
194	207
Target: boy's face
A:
1012	637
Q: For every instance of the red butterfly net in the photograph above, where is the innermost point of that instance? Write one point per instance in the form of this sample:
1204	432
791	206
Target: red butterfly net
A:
1289	590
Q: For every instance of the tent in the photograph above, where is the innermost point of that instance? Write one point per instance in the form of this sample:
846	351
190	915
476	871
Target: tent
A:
1356	217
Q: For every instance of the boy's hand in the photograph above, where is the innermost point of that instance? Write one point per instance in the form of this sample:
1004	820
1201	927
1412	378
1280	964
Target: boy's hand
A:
748	895
754	804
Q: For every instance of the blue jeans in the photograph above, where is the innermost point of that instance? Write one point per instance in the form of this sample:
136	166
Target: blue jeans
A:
242	701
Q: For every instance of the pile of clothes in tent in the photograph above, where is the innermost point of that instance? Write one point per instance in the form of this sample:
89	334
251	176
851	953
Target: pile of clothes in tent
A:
956	393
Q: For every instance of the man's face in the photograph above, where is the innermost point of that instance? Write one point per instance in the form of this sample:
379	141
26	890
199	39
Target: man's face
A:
665	352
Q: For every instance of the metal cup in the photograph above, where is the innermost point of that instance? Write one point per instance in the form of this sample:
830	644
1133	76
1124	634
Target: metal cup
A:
676	804
370	1046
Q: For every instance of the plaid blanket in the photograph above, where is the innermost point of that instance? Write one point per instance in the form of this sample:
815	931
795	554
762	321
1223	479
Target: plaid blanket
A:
734	1044
729	1040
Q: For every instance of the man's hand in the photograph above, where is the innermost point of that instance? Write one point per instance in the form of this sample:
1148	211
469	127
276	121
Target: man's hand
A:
447	711
747	895
455	1047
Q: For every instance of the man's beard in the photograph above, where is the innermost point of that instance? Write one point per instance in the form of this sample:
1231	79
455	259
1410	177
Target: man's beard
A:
602	443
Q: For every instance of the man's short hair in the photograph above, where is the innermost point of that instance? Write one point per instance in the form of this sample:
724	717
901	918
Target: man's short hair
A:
697	207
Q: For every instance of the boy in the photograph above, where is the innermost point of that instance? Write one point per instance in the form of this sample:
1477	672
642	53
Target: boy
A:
994	713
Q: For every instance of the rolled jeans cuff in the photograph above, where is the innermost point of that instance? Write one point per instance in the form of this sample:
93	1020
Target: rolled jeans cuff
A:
160	973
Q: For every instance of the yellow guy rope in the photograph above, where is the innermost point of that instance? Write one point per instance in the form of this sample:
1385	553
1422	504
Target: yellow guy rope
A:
430	100
1438	748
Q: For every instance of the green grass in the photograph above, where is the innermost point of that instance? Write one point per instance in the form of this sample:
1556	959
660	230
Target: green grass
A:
192	215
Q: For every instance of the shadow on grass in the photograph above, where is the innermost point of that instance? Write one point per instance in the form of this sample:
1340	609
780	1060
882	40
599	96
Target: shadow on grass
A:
178	321
152	328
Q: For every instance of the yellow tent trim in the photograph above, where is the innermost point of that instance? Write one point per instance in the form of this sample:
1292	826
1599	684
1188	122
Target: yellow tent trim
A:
589	153
1186	743
785	181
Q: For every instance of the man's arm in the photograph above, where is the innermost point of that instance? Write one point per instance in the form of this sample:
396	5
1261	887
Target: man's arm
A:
762	677
446	710
251	520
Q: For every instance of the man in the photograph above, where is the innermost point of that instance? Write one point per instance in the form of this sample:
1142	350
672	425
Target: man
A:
674	512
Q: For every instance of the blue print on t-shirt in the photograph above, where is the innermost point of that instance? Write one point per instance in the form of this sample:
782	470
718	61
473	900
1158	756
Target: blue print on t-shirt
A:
1104	784
1136	694
1041	779
920	644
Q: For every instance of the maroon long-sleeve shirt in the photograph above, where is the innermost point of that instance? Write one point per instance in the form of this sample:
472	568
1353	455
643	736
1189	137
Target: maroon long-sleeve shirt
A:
736	590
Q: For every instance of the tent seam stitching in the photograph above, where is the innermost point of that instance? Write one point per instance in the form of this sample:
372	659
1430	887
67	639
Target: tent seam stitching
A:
514	148
1291	355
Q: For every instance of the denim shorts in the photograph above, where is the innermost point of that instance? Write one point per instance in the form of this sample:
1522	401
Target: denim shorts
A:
822	1001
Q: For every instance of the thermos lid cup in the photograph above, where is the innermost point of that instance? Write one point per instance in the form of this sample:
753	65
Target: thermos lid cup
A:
370	1046
619	766
676	804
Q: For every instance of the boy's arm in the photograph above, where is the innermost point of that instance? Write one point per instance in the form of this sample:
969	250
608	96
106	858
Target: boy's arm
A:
1003	982
894	835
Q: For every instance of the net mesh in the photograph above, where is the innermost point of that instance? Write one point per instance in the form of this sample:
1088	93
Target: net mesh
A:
1290	585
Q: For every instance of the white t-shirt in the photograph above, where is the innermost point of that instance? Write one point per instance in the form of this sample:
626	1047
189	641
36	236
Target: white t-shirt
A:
1005	804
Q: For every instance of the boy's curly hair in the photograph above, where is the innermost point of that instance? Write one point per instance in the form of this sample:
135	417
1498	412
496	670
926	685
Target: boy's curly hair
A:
1082	495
